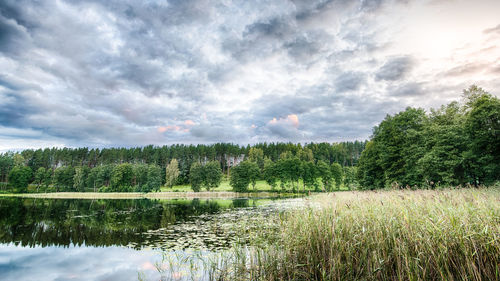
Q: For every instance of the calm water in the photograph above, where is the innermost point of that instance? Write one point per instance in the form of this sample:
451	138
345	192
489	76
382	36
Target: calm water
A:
60	239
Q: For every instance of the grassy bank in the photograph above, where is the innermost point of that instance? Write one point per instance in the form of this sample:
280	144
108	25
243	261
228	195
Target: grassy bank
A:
385	235
260	185
224	186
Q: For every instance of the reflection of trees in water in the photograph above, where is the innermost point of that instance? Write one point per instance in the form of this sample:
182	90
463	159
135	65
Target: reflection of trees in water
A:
240	203
30	222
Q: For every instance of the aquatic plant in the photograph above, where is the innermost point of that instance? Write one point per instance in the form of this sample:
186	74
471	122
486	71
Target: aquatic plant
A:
389	235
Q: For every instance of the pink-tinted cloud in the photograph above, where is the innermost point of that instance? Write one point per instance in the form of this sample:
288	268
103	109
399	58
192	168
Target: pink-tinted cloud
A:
291	119
163	129
189	123
294	119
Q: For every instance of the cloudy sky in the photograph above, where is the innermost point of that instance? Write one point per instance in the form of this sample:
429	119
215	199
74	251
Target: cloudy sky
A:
130	73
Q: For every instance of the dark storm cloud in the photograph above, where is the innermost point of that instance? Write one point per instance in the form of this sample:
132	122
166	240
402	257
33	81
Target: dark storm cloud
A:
11	11
395	68
15	105
13	109
12	36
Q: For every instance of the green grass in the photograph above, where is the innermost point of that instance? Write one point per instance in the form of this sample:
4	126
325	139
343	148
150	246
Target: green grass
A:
451	234
224	186
260	185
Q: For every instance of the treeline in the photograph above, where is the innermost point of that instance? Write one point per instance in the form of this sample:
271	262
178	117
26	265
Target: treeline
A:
144	168
124	177
457	144
291	172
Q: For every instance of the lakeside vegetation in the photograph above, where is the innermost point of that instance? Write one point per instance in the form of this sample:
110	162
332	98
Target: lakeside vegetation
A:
153	168
449	234
455	145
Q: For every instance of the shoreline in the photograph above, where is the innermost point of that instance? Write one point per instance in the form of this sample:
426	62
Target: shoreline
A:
138	195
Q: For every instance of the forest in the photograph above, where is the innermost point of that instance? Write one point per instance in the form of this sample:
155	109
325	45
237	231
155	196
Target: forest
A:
146	168
457	144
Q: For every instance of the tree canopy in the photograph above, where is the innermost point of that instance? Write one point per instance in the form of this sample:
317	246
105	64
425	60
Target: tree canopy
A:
454	145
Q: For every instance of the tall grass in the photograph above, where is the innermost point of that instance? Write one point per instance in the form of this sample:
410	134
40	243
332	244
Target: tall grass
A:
387	235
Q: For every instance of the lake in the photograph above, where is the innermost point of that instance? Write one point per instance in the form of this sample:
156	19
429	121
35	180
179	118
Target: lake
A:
75	239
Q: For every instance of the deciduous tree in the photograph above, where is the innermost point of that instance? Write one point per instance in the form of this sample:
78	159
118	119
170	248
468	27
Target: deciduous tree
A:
171	173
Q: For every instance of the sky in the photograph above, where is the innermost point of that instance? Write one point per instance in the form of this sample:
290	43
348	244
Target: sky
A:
132	73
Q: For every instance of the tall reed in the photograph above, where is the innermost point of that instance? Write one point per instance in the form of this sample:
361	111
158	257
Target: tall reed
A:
380	235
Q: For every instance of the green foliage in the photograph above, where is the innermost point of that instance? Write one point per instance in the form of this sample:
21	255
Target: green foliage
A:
208	175
92	179
20	177
63	178
350	177
196	176
256	155
253	173
482	126
445	141
19	160
104	173
39	176
369	172
337	174
6	163
289	168
47	178
171	173
154	177
309	174
400	146
306	155
270	173
326	175
213	175
141	177
121	177
80	177
454	145
101	162
242	175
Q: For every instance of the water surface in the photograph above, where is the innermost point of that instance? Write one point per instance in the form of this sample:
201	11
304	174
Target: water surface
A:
74	239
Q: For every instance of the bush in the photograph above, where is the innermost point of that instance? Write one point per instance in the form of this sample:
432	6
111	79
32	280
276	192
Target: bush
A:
20	177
